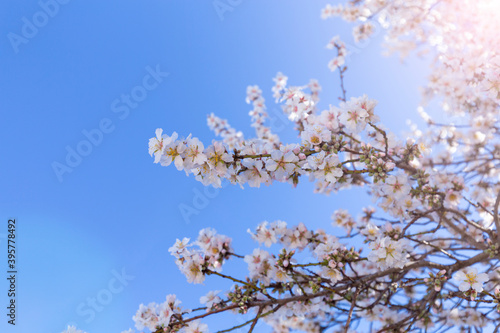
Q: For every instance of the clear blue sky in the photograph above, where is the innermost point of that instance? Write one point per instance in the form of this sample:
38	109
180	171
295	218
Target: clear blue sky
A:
116	210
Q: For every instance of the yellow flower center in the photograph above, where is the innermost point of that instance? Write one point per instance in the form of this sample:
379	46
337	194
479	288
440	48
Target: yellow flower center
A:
172	152
389	250
471	278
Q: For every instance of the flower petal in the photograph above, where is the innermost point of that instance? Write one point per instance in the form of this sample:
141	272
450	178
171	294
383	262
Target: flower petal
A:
464	286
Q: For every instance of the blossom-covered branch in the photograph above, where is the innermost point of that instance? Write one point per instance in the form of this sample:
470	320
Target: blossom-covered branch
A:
432	258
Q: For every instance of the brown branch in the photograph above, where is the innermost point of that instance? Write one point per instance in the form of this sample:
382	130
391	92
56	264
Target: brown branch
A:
255	320
495	216
349	317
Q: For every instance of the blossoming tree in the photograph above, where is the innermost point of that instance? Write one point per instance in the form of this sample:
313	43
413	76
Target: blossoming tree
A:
432	260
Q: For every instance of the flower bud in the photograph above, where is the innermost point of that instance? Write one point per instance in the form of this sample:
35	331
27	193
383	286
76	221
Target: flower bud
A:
390	165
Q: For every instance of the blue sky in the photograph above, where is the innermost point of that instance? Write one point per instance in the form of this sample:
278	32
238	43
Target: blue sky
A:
114	212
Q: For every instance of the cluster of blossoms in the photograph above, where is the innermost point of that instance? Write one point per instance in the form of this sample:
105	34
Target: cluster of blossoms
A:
465	75
334	268
339	60
259	115
388	253
264	160
213	250
439	192
298	105
465	318
342	218
154	315
222	128
340	147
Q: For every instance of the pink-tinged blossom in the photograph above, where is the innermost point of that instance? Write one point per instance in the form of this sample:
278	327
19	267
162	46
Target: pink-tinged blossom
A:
217	157
296	237
328	247
353	117
168	308
330	170
397	186
464	318
255	173
316	161
210	299
336	62
298	105
265	235
179	247
331	274
363	31
173	153
194	155
278	89
230	137
339	60
253	92
192	268
260	265
388	253
330	118
316	134
281	164
146	317
158	144
342	218
214	247
207	176
195	326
